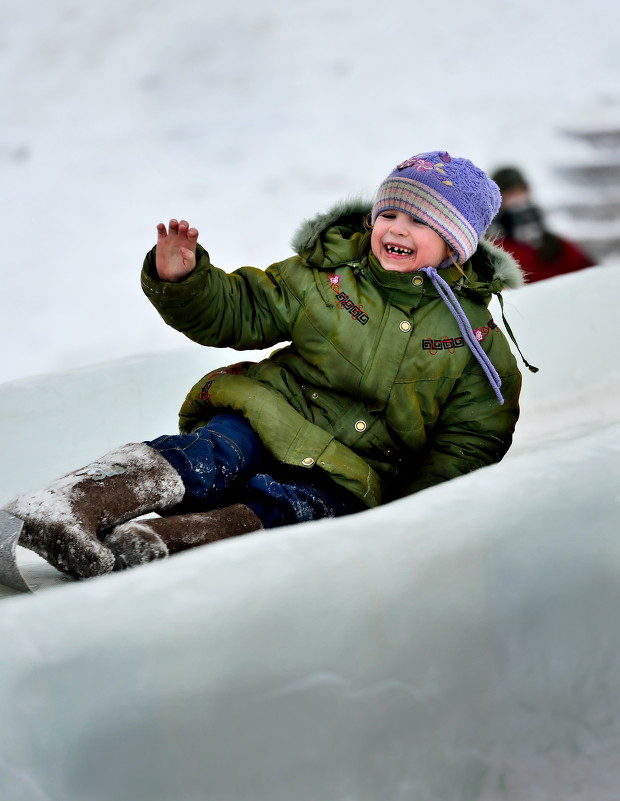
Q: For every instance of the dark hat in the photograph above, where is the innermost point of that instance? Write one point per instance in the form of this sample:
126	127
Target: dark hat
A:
509	178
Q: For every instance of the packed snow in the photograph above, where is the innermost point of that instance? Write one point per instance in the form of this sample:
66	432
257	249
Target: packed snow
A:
458	644
461	644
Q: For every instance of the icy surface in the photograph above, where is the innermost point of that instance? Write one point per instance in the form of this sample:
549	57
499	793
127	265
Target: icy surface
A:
460	645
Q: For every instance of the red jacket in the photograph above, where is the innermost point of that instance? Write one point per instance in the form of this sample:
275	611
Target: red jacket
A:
569	259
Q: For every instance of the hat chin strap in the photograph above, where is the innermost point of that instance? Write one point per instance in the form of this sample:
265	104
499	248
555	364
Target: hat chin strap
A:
447	262
451	259
449	298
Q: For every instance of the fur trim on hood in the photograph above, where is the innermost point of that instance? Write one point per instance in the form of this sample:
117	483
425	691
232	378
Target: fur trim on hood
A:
501	265
311	229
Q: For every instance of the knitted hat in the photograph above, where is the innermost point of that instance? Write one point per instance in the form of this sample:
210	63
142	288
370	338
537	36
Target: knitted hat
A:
450	195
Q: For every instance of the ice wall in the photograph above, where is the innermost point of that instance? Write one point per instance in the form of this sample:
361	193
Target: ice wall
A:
461	644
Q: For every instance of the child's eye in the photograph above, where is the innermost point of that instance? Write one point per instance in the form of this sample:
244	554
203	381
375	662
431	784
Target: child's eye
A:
413	221
388	215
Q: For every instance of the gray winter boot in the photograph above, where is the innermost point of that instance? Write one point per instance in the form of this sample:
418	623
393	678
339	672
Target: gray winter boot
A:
140	541
64	520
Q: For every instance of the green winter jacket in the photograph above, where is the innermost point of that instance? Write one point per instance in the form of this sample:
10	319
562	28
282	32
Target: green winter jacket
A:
375	385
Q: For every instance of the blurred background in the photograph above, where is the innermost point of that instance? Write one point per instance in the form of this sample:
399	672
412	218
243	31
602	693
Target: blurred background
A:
248	117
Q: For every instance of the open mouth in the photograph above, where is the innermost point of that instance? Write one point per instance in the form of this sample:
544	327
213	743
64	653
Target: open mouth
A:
394	250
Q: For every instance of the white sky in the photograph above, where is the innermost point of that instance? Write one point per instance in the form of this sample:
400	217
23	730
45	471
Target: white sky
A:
246	118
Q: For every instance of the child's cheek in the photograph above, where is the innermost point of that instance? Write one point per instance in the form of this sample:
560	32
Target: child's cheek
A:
375	244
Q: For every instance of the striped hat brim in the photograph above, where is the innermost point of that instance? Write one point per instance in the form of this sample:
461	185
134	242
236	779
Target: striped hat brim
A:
431	208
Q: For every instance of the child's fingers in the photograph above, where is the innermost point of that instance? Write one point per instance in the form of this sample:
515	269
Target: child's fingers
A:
176	228
185	230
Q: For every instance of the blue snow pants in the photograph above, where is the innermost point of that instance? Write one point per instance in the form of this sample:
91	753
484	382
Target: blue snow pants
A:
225	462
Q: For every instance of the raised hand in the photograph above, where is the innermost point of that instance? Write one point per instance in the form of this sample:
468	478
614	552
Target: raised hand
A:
175	255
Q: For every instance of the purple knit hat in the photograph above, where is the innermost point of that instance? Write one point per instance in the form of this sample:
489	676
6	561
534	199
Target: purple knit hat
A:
450	195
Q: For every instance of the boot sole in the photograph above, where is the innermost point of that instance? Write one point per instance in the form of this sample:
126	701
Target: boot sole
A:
37	575
10	574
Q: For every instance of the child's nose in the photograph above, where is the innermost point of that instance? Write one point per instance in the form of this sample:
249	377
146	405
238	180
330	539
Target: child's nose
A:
398	227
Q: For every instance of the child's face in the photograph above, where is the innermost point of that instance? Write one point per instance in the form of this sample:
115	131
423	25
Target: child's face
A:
402	244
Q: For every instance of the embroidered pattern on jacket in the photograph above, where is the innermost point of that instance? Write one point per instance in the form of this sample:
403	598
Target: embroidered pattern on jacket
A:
234	369
345	302
481	333
433	346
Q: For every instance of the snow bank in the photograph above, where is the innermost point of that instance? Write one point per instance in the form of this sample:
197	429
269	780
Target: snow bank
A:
54	423
461	643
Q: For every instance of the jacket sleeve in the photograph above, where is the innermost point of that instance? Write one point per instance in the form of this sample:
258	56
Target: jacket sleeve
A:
246	309
473	430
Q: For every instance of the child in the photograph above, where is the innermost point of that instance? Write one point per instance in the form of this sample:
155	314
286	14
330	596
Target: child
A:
394	378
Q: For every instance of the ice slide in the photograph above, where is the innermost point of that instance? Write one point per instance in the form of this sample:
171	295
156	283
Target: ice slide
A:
459	645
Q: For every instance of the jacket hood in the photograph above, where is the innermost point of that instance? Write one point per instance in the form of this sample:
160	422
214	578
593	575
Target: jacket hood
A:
351	211
336	235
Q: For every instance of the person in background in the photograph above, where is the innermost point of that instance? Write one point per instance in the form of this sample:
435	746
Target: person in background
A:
519	228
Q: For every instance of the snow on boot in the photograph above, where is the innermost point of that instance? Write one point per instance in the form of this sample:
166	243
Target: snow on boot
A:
63	521
140	541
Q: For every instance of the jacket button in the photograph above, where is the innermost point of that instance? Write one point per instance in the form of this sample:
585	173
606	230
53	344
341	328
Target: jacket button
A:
308	461
405	326
417	280
360	425
314	395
